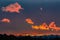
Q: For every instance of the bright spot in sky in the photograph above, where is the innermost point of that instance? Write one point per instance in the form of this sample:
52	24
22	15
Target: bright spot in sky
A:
41	9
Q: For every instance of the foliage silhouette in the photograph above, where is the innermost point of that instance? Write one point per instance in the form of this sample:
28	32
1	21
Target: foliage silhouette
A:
12	37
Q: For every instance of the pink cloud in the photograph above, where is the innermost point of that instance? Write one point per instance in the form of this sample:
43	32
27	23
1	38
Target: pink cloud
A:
53	26
6	20
29	21
12	8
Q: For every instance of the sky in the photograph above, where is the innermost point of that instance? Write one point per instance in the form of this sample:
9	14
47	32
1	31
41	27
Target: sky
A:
18	16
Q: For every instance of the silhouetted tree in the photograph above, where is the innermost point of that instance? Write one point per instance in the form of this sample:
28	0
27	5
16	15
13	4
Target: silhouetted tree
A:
12	37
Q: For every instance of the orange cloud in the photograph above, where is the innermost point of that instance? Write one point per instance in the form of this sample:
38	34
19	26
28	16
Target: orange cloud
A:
12	8
35	27
41	27
29	21
44	26
53	26
5	20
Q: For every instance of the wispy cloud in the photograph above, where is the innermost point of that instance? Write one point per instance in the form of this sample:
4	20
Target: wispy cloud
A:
5	20
12	8
29	21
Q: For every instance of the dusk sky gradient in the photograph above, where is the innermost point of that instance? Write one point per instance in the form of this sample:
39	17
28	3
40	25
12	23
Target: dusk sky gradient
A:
39	11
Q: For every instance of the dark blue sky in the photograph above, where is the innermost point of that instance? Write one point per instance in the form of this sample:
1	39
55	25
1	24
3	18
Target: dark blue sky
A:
50	12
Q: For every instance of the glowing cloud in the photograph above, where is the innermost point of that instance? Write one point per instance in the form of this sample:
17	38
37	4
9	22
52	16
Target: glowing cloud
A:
12	8
41	27
29	21
44	26
35	27
53	26
5	20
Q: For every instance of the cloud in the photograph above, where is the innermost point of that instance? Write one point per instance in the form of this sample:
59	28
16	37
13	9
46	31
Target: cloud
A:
35	27
12	8
5	20
29	21
41	27
52	27
44	26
